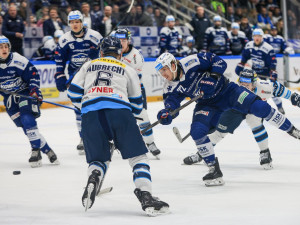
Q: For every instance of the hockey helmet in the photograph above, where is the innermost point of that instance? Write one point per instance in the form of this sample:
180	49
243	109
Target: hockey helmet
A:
190	39
170	18
58	33
235	26
258	31
247	75
111	44
5	40
123	33
163	60
46	38
217	18
75	15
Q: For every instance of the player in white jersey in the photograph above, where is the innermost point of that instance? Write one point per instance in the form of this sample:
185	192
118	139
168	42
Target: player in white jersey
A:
108	92
231	119
132	57
75	46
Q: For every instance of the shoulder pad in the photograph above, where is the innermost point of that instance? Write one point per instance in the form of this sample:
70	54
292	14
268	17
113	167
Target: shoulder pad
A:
169	86
250	44
19	61
65	39
94	36
209	30
241	34
189	62
165	30
266	47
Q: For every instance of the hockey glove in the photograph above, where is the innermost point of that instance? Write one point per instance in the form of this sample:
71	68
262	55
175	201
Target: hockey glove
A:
239	68
36	93
94	53
164	116
60	80
295	99
273	75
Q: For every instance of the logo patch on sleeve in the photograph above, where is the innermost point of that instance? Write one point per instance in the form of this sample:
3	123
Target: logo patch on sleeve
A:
242	97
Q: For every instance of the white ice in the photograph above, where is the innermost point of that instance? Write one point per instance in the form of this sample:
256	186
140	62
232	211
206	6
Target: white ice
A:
52	194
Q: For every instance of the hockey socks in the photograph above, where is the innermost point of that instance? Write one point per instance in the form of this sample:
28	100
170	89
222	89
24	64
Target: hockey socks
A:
279	120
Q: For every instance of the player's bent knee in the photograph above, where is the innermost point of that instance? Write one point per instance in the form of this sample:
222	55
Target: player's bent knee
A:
27	120
198	130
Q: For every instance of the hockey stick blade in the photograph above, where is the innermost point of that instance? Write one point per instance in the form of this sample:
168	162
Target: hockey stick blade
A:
177	134
104	191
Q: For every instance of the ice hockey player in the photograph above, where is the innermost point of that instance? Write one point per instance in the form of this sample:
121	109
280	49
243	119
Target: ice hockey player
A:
39	54
18	75
110	92
263	60
189	49
231	119
237	38
75	46
202	74
170	38
216	38
277	42
132	57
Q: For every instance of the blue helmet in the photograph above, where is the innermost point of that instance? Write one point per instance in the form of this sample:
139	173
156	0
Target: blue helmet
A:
247	76
111	44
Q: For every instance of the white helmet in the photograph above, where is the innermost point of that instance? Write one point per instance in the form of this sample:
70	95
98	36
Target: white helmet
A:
190	39
46	38
58	33
163	60
50	44
75	15
235	26
4	40
170	18
217	18
258	31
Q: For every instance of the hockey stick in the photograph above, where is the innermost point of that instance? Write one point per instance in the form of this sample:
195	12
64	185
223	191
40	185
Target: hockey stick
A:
289	81
178	135
173	112
35	99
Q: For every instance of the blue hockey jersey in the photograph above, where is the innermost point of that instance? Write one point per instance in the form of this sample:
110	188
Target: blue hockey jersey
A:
196	79
76	50
237	42
216	40
17	74
169	40
277	42
263	57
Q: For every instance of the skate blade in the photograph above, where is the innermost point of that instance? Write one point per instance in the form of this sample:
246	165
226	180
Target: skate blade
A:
36	164
267	166
87	201
150	211
157	157
56	162
104	191
215	182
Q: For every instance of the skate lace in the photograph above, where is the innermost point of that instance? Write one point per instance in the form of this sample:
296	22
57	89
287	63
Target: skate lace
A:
152	147
195	157
264	155
211	169
296	133
34	153
50	154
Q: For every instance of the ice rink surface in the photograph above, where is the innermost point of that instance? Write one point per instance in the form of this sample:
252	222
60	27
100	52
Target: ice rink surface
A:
52	194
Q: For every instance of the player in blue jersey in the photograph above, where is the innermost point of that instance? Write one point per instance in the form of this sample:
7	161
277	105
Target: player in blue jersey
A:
108	93
277	42
237	39
19	76
216	39
170	38
231	119
202	74
75	46
263	61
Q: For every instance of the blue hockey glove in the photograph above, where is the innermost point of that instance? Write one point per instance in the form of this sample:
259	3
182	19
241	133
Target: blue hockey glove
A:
94	53
165	117
60	80
239	68
36	93
273	75
295	99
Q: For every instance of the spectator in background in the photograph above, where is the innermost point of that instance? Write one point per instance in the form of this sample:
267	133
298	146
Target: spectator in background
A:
32	21
159	18
13	28
238	13
279	26
42	14
276	15
96	12
52	24
131	19
142	18
106	22
237	38
200	23
245	27
22	10
150	14
63	14
252	16
231	15
116	12
215	4
88	18
1	22
263	20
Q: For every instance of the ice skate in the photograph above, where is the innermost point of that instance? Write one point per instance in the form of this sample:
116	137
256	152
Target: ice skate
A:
80	148
52	157
192	159
281	110
151	205
35	159
91	189
154	150
265	159
294	132
214	176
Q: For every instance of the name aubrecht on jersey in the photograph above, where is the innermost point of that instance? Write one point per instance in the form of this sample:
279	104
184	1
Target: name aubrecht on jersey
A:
115	69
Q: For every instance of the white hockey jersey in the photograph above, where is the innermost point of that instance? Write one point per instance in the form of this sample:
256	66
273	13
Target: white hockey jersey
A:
135	59
106	83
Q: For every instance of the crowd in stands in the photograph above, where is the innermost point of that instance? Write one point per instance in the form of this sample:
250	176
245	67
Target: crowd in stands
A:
51	15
